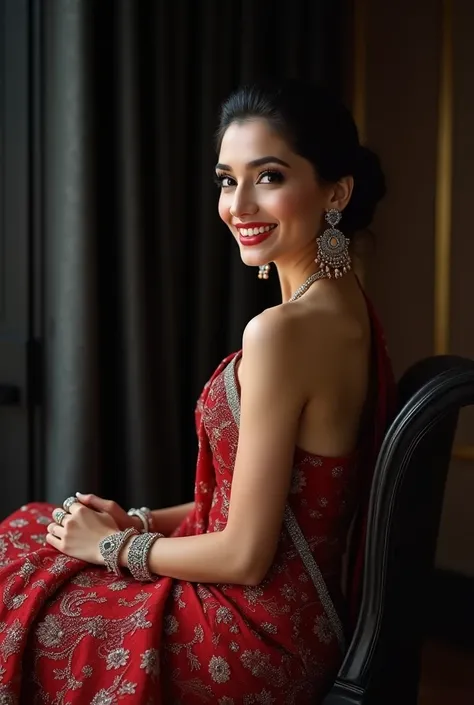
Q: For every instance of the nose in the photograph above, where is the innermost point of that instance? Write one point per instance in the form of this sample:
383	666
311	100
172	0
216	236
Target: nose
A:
242	204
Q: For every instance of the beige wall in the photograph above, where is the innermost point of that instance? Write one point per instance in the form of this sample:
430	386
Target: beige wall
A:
400	79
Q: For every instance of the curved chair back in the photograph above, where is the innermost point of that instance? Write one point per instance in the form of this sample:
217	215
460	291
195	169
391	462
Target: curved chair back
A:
382	663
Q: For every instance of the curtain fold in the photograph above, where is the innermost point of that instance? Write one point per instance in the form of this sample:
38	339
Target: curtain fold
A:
145	288
70	196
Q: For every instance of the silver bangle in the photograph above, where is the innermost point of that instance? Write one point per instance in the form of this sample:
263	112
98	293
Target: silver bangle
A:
145	515
111	546
138	556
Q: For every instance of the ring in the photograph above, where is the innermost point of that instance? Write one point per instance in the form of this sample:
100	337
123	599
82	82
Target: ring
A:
69	502
58	516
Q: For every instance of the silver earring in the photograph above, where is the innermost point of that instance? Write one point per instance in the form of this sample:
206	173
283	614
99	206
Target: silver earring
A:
333	248
264	271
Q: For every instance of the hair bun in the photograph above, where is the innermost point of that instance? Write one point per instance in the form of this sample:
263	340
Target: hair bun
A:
369	189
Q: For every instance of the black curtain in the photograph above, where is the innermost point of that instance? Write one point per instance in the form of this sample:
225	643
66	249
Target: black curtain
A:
144	288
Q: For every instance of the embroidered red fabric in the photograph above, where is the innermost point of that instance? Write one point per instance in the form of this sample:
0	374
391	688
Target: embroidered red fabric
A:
73	633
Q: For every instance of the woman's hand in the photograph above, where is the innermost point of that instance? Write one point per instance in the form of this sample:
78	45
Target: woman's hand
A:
108	506
80	533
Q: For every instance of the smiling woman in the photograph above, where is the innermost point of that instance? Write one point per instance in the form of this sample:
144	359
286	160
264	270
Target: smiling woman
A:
238	597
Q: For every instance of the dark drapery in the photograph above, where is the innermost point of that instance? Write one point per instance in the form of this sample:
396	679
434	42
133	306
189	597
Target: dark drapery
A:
144	288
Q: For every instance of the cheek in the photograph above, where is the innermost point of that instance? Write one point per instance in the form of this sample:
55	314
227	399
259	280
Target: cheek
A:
292	205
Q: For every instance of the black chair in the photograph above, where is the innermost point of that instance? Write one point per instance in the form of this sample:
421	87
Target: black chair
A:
382	663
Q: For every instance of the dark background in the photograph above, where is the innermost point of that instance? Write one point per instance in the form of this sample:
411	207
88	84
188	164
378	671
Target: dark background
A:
120	289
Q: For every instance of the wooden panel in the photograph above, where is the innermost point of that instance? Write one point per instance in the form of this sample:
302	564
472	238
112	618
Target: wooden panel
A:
418	113
462	243
402	109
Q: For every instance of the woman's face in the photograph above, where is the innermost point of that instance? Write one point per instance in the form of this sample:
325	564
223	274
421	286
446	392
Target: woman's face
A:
270	198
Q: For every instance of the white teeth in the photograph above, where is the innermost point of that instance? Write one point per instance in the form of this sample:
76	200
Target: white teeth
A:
248	232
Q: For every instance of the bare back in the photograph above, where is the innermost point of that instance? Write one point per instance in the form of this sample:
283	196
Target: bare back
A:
331	333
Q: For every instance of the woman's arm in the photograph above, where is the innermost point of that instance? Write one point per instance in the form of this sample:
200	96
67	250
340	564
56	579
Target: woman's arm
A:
168	519
271	404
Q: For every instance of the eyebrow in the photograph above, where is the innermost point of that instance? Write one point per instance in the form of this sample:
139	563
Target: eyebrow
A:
255	163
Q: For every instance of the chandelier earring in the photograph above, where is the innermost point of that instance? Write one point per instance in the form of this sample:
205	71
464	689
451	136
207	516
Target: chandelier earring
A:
264	271
333	248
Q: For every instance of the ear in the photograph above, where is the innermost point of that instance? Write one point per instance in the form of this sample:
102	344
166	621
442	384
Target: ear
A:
340	193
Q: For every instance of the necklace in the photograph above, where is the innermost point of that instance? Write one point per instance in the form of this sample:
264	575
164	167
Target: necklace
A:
305	286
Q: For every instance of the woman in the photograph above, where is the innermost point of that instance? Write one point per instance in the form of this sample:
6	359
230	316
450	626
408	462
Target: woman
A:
241	600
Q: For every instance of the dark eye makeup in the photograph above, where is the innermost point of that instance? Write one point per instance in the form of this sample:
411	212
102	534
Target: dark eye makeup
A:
266	177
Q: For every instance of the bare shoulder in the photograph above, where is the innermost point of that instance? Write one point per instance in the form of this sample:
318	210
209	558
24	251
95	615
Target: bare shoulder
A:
305	345
273	328
288	330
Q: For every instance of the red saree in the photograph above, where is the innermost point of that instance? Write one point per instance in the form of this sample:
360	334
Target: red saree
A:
73	633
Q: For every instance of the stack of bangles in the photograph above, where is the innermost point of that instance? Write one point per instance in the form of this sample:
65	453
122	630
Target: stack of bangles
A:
140	546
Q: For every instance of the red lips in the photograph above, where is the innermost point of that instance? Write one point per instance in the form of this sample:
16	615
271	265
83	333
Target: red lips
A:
250	240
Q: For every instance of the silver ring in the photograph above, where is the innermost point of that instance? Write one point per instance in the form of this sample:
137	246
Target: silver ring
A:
58	516
69	502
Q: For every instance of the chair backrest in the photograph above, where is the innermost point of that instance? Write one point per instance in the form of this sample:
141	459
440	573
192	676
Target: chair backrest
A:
382	663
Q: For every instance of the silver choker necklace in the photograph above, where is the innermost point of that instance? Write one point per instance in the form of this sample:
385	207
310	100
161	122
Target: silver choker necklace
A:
305	286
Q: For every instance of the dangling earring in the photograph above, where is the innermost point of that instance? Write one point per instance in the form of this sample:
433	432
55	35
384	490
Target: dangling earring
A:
264	271
333	248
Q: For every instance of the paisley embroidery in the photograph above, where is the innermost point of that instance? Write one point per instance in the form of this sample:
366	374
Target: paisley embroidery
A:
78	634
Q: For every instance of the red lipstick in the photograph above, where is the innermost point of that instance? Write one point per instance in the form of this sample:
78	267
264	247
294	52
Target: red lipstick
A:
249	240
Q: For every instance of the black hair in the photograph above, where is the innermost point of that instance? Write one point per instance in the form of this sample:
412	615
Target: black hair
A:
319	127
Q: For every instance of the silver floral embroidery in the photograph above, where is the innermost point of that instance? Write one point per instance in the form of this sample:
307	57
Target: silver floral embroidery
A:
49	632
288	592
322	629
11	643
103	697
3	548
118	585
224	614
6	696
117	658
298	481
18	523
176	648
177	592
15	539
269	628
171	624
262	698
219	669
140	621
151	662
39	538
60	565
83	580
315	461
260	666
127	688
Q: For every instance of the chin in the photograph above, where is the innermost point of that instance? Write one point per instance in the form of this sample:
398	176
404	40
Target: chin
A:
254	260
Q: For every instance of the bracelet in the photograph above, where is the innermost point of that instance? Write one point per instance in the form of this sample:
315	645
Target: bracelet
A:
138	555
111	546
145	515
